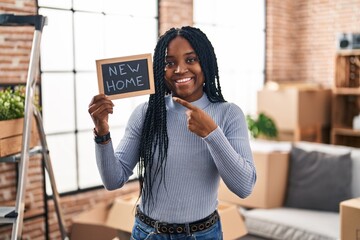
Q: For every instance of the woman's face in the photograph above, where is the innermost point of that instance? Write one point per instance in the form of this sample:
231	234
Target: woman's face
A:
183	73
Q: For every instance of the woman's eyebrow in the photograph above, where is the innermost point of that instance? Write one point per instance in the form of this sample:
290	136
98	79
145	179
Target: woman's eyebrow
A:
186	54
189	53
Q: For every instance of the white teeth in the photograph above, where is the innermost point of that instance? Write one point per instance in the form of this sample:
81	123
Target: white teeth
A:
183	80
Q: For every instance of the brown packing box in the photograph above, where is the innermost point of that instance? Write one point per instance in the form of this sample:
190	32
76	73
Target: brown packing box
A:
270	186
232	223
292	108
350	219
122	213
90	225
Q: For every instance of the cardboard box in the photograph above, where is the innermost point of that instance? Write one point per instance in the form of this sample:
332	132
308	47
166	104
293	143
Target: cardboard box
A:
106	221
295	108
232	222
90	225
270	187
122	213
350	219
115	221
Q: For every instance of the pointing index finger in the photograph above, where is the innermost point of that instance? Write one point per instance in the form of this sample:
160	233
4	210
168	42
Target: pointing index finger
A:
184	103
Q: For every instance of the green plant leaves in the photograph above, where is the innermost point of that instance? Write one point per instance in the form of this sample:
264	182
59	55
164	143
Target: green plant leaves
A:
12	103
263	125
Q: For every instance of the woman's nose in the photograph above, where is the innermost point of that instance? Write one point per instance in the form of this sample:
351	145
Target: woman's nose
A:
180	69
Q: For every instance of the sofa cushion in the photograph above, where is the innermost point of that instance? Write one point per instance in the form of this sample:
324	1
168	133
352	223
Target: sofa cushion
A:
292	224
336	149
318	180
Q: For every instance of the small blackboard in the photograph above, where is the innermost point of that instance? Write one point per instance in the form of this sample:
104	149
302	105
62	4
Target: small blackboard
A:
124	77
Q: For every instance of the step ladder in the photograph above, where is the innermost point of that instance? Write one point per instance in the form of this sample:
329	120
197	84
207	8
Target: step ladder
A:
15	215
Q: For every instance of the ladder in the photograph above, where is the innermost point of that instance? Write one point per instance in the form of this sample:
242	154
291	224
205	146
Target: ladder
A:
14	215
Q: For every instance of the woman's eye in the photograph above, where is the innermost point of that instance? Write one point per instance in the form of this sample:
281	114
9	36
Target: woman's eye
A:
191	60
169	64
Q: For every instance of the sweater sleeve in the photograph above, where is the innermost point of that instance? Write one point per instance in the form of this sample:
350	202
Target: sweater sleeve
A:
115	167
230	149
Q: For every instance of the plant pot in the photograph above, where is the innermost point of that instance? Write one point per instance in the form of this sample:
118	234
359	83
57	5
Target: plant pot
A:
11	136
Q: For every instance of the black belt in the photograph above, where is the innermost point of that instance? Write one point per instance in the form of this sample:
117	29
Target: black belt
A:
172	228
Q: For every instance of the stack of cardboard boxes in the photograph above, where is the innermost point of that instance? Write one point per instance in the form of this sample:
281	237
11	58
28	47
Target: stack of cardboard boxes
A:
300	112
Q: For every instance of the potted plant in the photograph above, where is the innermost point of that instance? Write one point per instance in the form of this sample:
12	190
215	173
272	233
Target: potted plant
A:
12	105
261	126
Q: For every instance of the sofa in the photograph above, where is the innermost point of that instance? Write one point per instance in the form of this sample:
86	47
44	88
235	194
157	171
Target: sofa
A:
319	177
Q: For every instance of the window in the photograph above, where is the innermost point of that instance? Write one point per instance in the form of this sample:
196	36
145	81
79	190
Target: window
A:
236	29
78	33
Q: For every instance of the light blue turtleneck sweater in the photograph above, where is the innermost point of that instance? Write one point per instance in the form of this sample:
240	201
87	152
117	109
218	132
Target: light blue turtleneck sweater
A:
194	165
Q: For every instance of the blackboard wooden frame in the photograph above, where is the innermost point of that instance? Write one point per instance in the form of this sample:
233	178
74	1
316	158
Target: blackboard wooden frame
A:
121	62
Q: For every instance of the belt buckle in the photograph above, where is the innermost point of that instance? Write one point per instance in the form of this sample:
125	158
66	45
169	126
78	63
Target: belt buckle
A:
157	227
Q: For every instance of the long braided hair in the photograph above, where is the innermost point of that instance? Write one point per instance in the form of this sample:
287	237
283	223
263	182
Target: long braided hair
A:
154	138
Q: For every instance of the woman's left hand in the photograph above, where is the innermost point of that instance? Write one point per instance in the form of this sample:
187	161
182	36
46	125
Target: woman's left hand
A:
198	121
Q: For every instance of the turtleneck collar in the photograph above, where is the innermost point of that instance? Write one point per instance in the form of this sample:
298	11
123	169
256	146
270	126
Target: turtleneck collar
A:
171	105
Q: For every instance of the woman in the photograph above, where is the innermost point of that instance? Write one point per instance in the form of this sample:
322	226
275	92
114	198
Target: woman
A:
184	138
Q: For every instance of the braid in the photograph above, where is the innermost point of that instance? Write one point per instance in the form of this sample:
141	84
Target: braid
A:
154	137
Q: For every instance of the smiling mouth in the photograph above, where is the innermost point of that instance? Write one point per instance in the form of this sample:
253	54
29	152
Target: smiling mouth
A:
183	80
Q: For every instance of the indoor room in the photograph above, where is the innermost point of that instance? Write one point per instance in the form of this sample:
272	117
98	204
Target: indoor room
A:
235	118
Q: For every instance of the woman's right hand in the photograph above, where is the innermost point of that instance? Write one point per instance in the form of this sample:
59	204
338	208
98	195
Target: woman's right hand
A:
99	109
